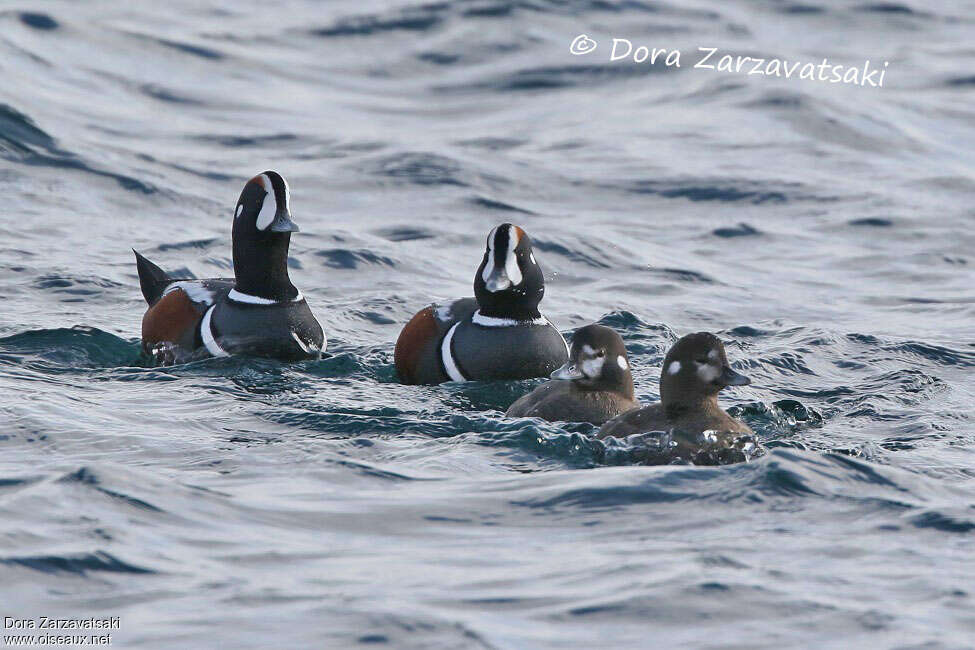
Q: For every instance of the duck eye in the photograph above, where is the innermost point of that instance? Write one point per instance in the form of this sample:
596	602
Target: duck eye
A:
600	354
702	360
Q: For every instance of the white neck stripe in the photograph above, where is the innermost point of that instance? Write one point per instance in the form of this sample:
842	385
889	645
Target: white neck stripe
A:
447	356
490	321
206	333
238	296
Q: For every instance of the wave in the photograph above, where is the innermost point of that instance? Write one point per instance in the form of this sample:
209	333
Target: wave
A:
81	564
22	141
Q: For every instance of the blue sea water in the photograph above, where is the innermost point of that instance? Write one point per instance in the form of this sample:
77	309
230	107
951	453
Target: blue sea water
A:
825	231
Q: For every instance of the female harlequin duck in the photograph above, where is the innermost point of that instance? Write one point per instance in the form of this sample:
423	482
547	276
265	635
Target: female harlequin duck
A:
599	385
498	334
695	371
258	312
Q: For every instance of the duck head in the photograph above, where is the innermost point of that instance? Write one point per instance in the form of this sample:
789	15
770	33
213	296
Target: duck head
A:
509	282
598	361
262	236
696	369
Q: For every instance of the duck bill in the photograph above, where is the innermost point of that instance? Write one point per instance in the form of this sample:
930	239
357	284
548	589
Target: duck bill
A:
567	372
283	223
497	281
731	378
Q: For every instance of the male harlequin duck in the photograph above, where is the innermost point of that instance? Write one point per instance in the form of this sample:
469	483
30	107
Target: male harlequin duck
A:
695	370
498	334
258	312
594	386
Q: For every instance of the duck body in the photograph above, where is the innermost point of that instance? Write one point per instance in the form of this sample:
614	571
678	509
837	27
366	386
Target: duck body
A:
456	343
655	417
692	425
594	385
497	334
561	401
257	313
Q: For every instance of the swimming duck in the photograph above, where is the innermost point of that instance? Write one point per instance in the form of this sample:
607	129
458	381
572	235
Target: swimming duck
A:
695	370
594	386
498	334
258	312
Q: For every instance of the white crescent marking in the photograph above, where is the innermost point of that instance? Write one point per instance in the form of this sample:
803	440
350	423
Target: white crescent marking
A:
207	335
511	262
448	358
269	208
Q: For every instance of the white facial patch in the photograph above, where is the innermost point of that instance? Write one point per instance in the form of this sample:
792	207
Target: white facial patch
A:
673	368
592	367
270	206
489	267
707	373
511	262
240	208
713	355
621	362
512	272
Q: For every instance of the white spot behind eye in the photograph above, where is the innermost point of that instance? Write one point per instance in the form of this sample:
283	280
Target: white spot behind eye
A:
240	208
713	354
531	256
622	362
673	368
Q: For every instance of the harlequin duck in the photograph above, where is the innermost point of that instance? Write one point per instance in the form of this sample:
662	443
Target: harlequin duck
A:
594	386
695	370
498	334
258	312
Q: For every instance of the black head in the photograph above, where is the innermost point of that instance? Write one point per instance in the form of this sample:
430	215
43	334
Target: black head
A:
598	361
262	235
696	368
509	282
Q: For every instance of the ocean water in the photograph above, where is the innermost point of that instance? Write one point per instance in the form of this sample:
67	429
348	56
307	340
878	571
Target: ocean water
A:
825	231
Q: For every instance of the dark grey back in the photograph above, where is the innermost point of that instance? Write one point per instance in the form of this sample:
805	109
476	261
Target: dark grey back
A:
266	330
517	352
